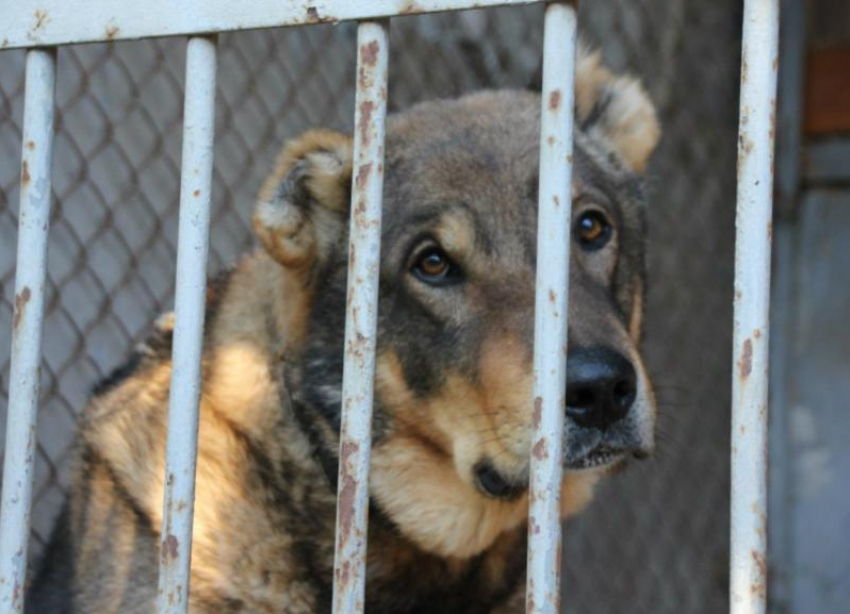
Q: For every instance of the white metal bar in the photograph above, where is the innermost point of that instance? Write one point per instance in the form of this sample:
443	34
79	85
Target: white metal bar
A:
361	317
551	309
190	303
28	319
748	557
60	22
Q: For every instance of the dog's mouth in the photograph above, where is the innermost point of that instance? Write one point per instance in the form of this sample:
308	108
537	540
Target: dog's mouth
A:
603	456
589	449
599	457
496	485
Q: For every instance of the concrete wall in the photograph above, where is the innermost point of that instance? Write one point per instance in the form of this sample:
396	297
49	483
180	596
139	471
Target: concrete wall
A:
810	357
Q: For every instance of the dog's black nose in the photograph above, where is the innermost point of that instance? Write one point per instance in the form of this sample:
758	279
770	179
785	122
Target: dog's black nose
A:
601	387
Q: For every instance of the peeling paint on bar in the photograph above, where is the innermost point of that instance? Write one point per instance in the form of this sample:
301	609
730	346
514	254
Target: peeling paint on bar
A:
551	309
759	63
361	317
62	22
27	327
192	250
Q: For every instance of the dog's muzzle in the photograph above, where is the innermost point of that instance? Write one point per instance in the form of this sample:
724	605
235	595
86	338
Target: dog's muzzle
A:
602	403
609	419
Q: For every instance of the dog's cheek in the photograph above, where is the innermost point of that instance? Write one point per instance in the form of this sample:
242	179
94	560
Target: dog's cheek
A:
422	475
399	408
636	319
420	491
450	419
488	419
507	385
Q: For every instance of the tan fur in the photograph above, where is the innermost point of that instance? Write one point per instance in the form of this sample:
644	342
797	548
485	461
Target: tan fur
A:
239	375
241	396
436	509
636	322
289	235
415	477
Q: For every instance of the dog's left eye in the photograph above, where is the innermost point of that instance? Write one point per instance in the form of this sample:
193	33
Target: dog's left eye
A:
433	266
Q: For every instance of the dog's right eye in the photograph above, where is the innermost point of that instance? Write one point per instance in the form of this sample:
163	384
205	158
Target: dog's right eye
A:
592	230
433	266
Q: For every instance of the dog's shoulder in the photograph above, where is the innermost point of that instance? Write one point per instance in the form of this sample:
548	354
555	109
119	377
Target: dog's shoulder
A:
243	442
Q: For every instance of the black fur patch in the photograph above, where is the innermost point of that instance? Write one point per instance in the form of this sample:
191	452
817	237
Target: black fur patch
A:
118	375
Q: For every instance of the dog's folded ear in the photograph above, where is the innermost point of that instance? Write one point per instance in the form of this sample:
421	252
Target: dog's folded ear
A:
617	109
302	208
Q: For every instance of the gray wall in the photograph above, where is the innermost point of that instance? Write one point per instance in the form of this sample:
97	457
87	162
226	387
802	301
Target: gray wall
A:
810	358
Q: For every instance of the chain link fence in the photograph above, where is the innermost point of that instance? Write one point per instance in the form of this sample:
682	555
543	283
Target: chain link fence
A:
655	540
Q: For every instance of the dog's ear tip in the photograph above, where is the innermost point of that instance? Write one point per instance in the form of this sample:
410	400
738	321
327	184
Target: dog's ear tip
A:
298	205
616	104
618	108
323	152
317	141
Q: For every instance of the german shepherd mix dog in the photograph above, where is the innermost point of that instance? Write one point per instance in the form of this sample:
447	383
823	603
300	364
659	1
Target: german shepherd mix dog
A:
453	404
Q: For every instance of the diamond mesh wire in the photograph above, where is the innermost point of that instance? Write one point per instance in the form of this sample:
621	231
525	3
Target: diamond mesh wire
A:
655	539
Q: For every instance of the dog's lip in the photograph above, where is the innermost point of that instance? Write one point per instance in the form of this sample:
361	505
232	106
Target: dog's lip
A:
601	456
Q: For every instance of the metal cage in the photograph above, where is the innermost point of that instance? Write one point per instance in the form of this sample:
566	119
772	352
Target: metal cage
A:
41	26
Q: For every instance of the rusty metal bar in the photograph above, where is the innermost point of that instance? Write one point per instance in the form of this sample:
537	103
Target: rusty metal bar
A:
759	64
28	325
189	307
361	317
551	310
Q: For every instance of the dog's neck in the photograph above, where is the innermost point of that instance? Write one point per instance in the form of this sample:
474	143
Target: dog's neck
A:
402	576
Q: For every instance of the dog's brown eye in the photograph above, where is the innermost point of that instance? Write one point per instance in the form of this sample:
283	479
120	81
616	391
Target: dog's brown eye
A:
592	230
433	266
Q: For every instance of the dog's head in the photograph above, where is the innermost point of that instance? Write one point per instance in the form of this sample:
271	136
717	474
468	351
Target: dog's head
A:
453	406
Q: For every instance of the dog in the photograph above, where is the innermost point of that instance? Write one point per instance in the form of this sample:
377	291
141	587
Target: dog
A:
453	386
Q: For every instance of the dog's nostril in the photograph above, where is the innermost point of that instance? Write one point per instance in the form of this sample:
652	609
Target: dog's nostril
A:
580	397
601	387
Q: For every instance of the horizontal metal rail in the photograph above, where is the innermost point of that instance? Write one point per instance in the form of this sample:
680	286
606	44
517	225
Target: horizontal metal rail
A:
189	308
759	64
551	310
27	328
63	22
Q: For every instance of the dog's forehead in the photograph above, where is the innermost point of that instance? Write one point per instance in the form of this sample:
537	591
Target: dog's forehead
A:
481	153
